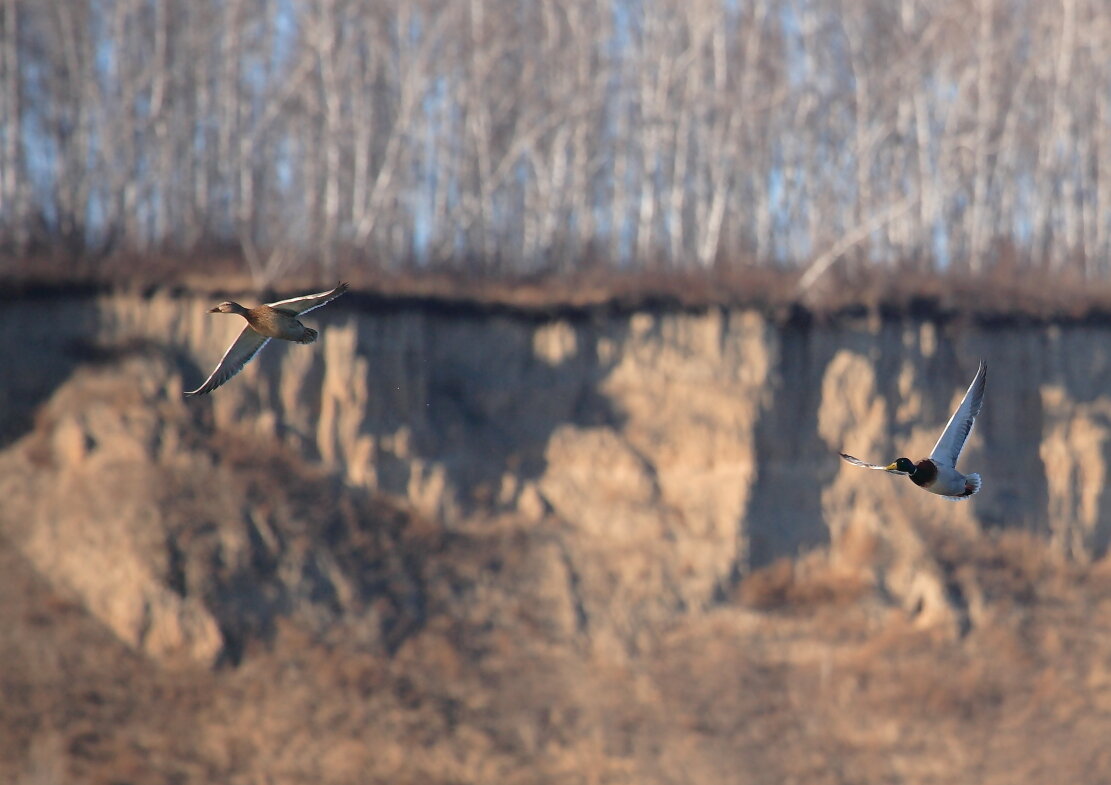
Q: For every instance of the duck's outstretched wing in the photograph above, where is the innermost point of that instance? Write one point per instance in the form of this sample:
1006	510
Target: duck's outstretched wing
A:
308	302
860	463
949	446
238	354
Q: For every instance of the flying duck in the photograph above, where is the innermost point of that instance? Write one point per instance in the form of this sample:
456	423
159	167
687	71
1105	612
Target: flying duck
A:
272	320
938	473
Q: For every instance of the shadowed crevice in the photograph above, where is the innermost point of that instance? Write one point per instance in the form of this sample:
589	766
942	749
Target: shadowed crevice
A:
784	514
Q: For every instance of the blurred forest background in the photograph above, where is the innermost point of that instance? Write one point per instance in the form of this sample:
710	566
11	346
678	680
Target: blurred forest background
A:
512	137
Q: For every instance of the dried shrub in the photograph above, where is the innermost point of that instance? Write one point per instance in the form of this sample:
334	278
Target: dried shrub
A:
787	584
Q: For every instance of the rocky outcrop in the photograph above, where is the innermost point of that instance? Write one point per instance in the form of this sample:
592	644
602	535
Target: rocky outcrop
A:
85	502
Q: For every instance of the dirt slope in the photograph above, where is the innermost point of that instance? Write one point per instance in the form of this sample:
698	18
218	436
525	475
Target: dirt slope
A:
188	600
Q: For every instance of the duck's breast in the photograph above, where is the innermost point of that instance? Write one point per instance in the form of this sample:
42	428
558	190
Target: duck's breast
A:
949	482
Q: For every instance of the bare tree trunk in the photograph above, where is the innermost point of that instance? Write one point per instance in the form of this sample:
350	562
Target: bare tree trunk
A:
654	69
980	222
620	155
323	35
14	226
1011	149
230	135
200	164
164	178
1049	179
862	116
1102	202
364	107
751	138
719	193
72	186
1064	115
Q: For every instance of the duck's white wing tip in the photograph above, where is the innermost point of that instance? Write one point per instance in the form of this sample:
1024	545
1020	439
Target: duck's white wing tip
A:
949	445
310	302
238	354
862	464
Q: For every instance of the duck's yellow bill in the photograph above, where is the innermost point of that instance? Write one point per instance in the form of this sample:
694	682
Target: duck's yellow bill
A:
891	467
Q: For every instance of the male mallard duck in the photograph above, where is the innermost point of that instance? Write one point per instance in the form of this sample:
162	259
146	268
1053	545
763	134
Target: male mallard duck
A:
272	320
938	473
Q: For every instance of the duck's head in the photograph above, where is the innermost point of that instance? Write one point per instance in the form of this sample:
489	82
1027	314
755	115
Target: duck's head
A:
901	466
228	307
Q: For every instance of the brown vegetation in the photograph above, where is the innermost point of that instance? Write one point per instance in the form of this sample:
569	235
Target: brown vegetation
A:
824	693
1001	295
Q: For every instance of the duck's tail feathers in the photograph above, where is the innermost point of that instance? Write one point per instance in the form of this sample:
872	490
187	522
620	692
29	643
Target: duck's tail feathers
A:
971	488
309	336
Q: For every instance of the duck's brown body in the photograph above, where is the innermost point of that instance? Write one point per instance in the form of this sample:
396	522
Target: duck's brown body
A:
273	322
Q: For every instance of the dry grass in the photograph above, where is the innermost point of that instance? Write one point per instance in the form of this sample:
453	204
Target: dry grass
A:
808	678
1008	292
789	584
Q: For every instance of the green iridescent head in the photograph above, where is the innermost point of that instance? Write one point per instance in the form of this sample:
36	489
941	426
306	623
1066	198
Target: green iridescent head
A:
902	466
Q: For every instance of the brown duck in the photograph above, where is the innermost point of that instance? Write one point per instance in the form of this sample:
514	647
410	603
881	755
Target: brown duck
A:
272	320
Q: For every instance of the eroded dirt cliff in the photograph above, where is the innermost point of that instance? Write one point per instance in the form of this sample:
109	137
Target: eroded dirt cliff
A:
600	547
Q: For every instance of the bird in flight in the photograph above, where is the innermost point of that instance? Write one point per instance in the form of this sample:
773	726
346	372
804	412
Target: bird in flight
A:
938	473
272	320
